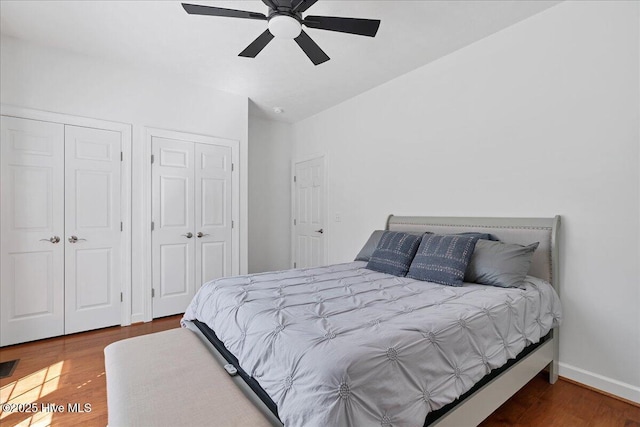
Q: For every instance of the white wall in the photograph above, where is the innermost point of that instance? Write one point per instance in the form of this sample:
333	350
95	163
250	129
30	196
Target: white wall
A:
270	145
53	80
539	119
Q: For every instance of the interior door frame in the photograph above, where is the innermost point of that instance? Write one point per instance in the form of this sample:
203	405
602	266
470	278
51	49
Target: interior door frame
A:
149	133
125	130
325	183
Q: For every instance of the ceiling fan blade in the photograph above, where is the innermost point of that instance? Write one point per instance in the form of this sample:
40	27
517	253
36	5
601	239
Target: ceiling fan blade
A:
362	27
300	6
257	45
313	51
271	4
196	9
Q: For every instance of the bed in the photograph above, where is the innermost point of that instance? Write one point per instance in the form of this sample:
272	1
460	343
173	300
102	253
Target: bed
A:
344	345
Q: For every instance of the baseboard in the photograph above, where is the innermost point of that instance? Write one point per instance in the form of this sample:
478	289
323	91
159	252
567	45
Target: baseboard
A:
600	382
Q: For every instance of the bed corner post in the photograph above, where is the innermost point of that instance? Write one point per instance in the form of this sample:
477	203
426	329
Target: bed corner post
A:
555	281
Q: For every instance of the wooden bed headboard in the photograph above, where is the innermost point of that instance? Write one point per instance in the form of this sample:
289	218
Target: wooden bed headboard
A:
522	231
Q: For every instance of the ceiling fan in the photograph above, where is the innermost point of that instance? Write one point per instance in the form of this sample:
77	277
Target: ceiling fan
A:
285	21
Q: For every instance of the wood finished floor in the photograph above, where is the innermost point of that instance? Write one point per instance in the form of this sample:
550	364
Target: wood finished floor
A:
70	369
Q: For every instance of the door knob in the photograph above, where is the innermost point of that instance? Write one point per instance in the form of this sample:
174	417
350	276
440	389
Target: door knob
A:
188	235
74	239
200	234
53	239
320	231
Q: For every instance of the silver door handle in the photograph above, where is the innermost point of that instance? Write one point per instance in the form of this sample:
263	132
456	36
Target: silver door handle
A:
74	239
320	231
200	234
188	235
54	239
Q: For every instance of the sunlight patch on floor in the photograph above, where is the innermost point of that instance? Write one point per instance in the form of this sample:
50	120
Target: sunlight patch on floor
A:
29	389
42	419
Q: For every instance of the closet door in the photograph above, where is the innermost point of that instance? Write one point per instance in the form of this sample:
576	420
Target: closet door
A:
173	240
32	224
92	228
213	212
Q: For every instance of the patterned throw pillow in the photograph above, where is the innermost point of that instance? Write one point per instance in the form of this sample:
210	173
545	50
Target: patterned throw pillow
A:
394	253
442	259
371	245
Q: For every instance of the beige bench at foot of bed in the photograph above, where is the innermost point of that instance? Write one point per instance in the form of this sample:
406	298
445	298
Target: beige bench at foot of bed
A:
171	379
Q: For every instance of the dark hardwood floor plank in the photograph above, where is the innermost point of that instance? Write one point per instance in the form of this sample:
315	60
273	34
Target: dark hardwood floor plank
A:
562	404
70	369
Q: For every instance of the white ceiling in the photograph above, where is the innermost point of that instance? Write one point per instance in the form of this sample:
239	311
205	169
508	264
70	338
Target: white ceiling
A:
204	49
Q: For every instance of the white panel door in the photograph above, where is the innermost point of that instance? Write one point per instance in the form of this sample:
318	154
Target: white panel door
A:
92	228
212	212
309	214
172	242
32	224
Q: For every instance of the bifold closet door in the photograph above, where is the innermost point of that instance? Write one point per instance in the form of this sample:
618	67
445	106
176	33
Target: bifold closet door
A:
213	212
60	255
191	209
92	228
173	240
32	230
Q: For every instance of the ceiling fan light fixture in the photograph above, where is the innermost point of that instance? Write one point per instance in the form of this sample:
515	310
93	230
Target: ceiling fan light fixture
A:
285	22
284	27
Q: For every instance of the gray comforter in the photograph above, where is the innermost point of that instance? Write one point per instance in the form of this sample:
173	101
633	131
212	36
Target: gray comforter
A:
345	346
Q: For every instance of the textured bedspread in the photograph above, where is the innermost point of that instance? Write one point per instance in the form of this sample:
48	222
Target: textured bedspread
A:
345	346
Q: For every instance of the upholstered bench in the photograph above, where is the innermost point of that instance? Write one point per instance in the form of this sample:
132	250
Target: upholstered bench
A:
172	379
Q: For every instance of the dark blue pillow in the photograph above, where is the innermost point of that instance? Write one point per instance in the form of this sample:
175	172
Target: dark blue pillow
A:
481	236
442	259
394	253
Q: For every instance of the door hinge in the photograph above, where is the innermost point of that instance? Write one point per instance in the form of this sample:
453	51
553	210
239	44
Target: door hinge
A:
121	156
294	222
153	293
121	226
294	178
232	224
121	297
232	167
152	226
295	265
153	159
